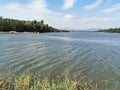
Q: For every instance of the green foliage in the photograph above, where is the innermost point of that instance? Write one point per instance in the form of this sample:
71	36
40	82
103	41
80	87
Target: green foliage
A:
7	25
111	30
35	82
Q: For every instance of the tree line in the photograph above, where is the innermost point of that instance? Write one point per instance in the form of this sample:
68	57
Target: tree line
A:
111	30
7	25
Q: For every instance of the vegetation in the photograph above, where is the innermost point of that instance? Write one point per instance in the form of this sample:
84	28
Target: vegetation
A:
111	30
35	82
7	25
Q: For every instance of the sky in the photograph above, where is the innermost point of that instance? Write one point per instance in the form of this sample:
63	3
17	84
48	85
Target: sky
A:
65	14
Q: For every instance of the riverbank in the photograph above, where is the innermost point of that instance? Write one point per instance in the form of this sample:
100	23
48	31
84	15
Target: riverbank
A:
36	82
14	32
4	32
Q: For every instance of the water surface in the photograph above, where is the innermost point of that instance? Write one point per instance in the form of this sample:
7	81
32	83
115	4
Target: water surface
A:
90	54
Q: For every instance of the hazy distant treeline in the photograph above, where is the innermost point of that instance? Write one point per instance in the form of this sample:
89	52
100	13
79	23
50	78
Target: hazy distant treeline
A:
112	30
7	25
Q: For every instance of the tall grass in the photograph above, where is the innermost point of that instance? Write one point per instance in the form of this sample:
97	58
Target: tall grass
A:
36	82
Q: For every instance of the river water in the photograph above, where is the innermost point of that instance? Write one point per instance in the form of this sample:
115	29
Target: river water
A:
93	55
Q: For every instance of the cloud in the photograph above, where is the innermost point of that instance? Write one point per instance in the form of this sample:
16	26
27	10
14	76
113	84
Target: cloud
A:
93	5
35	10
69	16
38	10
69	4
111	9
30	10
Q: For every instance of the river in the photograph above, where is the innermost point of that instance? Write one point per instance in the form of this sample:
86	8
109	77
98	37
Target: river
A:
93	55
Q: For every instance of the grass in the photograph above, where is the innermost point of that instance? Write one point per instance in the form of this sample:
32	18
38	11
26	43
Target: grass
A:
36	82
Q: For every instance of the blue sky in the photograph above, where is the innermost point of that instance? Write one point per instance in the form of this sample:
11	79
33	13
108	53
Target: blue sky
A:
65	14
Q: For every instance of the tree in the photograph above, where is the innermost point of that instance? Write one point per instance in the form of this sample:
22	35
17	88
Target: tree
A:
42	22
22	26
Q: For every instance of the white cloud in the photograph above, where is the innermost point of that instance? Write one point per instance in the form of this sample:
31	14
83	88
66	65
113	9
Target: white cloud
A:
30	10
93	5
69	4
69	16
111	9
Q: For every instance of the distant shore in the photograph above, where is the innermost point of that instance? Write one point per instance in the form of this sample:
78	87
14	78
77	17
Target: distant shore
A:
111	30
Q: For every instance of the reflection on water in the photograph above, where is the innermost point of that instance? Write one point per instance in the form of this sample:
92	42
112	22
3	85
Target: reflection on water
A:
94	55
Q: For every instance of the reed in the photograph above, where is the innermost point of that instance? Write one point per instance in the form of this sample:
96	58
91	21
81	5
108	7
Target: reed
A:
36	82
